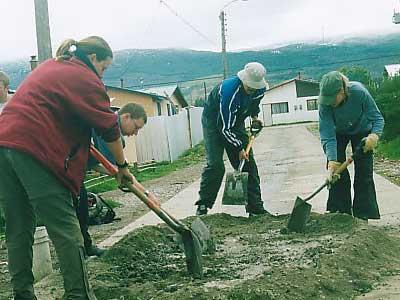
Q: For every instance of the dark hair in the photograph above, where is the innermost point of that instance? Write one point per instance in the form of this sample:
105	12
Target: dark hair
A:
136	111
90	45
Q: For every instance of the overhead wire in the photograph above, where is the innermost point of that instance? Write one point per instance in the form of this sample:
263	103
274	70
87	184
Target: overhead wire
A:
173	11
272	71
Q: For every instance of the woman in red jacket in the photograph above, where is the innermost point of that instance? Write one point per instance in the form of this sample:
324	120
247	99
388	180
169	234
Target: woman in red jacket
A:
44	144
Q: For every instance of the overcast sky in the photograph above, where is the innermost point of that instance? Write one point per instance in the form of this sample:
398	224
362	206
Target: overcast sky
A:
127	24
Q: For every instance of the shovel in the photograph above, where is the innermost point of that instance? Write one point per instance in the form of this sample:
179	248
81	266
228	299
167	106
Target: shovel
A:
301	210
192	239
235	192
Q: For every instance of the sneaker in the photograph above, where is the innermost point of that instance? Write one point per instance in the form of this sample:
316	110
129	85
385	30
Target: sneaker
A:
256	211
201	210
18	297
93	250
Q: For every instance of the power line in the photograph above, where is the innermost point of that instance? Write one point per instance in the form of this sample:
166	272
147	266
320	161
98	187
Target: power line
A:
175	82
187	22
333	63
128	64
269	71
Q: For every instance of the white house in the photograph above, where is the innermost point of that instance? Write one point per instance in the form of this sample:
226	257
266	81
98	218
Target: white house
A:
291	101
391	71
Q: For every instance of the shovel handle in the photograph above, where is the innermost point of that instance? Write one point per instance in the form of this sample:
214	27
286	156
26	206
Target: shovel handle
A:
166	217
350	159
248	147
342	167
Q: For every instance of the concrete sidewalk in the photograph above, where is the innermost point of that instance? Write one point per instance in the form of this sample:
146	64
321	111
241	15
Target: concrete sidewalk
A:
291	163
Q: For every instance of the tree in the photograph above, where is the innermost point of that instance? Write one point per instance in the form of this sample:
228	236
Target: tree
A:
362	75
357	74
388	101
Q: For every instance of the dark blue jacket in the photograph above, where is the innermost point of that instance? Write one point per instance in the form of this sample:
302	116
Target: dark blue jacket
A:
228	106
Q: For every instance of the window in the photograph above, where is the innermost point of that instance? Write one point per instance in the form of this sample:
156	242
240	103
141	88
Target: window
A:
159	108
312	104
280	108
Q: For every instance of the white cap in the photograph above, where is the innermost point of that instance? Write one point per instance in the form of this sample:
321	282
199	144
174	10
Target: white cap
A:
253	75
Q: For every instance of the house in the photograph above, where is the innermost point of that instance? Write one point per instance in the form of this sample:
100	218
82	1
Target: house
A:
172	93
391	71
294	100
154	105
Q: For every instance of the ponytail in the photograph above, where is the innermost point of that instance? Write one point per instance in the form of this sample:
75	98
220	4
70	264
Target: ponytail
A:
65	50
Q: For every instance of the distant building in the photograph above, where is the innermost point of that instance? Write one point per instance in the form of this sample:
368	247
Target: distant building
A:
391	71
294	100
154	105
160	101
172	93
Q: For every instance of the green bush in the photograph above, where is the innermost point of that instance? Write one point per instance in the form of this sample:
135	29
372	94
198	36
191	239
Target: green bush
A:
390	149
2	224
388	101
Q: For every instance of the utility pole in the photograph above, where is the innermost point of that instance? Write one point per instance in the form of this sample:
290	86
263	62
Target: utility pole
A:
223	40
205	92
42	30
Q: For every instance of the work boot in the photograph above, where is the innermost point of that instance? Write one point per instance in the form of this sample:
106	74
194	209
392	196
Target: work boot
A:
256	211
201	210
93	250
18	297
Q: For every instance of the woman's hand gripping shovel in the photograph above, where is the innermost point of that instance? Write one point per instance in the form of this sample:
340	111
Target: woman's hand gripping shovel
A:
195	240
301	210
235	192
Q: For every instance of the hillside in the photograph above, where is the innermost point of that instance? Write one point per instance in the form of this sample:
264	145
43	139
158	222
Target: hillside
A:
152	66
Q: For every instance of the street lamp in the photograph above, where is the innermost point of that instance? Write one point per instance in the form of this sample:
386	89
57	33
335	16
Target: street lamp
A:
223	37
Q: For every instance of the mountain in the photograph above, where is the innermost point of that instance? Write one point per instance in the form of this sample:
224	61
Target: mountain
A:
153	66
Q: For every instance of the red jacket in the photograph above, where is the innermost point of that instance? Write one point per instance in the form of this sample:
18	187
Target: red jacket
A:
51	115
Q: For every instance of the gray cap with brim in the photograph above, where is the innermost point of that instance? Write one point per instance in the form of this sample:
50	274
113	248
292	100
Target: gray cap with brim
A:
329	87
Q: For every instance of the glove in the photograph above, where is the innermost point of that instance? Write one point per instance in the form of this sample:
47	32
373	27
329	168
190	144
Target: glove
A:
371	141
256	126
332	177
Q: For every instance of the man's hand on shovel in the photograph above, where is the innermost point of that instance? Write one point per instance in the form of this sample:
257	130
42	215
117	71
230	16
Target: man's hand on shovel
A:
243	155
332	175
124	175
125	187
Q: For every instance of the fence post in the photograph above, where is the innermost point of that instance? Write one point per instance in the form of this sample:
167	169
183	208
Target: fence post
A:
189	127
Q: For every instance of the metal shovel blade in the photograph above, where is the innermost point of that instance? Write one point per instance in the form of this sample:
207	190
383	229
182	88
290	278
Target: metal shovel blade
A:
235	192
300	215
203	233
193	253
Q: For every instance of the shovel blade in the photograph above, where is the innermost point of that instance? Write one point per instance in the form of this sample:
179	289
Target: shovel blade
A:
193	253
235	192
203	234
299	216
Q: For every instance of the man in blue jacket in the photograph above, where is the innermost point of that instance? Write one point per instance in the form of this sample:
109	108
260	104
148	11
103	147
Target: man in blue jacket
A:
225	111
347	112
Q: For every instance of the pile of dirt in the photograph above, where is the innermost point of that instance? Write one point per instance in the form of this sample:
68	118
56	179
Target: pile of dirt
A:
336	258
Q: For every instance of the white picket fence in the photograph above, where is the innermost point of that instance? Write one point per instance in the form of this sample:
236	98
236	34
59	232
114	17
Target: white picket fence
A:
164	138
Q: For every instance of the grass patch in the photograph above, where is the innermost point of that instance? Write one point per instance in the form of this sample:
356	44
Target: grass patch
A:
190	157
390	150
112	203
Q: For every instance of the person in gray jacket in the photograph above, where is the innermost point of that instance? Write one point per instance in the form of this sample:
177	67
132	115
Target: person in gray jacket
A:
347	112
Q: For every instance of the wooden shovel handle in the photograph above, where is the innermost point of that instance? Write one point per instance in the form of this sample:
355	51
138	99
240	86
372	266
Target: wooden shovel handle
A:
165	216
350	159
250	144
344	165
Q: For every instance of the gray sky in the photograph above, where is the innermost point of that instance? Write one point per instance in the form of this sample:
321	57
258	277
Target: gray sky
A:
149	24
